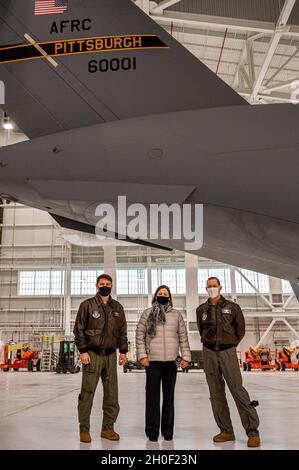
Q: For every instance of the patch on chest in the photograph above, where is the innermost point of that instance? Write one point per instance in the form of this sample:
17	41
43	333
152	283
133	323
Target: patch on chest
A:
204	317
226	310
96	314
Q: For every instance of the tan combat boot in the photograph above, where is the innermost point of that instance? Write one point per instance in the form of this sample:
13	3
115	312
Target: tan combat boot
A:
85	436
110	434
224	437
254	441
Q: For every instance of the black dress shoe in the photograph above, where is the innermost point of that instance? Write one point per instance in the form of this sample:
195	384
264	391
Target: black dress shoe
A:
153	438
167	438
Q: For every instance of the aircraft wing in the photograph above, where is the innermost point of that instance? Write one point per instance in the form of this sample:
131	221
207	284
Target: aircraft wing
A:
69	64
91	229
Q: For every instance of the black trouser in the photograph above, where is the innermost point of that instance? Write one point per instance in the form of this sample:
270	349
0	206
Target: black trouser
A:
156	373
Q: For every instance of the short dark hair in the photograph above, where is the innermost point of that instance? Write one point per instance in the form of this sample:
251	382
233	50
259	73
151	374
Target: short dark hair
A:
214	278
104	276
168	290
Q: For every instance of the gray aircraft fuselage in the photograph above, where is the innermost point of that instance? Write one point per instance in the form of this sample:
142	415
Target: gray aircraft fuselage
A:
242	163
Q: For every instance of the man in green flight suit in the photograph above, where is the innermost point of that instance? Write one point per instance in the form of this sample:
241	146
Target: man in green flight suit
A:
221	325
100	329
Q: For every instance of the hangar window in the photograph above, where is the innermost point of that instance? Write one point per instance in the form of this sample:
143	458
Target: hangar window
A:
223	275
260	281
286	287
131	281
41	282
84	281
174	278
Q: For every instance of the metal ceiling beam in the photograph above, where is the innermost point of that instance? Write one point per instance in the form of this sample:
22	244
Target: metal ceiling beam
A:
240	36
255	288
280	28
275	319
281	85
144	5
250	62
292	56
274	96
265	334
244	53
291	328
219	22
288	301
262	314
244	74
163	5
253	93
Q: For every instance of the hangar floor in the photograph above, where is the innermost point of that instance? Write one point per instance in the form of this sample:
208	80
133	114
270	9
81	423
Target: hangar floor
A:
38	411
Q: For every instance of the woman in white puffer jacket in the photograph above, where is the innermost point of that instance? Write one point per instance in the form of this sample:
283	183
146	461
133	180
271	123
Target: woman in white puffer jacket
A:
161	336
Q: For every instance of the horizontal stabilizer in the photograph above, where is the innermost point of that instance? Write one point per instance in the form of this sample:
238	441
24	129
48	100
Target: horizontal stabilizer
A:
86	228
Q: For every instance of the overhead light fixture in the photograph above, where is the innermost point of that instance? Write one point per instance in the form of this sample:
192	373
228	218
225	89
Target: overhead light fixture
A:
7	124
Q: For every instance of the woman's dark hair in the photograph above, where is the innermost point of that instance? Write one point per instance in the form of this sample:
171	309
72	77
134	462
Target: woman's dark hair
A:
168	290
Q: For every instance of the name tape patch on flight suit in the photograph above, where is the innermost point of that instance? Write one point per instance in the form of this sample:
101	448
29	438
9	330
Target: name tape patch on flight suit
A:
226	310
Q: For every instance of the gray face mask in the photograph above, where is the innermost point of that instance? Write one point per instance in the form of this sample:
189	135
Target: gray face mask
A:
213	292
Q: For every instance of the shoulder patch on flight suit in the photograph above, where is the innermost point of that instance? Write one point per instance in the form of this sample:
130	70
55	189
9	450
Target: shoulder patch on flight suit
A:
96	314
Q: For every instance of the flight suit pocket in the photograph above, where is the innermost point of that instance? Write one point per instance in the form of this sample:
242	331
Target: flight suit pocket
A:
116	320
227	324
208	332
94	337
89	376
115	329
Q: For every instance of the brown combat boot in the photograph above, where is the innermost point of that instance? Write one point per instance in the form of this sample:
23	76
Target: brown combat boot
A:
224	437
85	436
110	434
254	441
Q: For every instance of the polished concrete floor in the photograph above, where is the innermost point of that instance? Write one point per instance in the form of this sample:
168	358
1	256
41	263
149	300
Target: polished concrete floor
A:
38	411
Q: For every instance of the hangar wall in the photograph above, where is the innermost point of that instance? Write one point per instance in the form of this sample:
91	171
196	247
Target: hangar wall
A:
32	242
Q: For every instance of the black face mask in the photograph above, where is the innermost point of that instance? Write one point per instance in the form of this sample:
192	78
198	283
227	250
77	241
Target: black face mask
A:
162	299
104	291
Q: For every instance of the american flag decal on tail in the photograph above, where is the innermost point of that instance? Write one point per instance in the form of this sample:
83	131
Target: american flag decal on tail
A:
50	7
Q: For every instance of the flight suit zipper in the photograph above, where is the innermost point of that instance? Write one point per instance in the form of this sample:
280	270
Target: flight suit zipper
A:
105	328
217	337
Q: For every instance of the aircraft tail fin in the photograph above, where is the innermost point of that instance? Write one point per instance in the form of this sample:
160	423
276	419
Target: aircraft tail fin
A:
80	63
